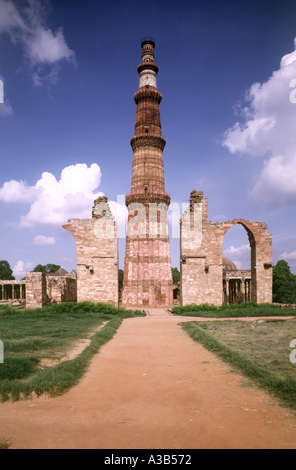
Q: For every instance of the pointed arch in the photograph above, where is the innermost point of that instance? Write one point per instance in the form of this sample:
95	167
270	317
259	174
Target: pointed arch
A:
261	258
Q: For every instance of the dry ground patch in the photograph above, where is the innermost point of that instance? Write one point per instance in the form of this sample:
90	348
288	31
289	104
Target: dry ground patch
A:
260	349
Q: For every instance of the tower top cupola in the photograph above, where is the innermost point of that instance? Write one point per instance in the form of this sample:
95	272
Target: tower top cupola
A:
147	68
149	40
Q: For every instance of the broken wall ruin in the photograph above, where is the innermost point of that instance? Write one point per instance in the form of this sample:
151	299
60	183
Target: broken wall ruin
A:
35	290
97	254
61	288
201	245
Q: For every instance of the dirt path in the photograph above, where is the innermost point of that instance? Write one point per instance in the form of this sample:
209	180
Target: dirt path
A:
152	387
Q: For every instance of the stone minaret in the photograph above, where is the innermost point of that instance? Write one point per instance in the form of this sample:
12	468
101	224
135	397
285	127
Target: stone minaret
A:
147	268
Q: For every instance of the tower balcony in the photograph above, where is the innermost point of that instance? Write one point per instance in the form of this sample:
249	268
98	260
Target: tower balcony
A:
149	40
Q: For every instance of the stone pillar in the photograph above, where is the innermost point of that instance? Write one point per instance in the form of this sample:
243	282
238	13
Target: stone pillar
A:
227	291
35	290
243	299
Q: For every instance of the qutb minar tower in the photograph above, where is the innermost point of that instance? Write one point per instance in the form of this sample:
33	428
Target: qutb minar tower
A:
147	268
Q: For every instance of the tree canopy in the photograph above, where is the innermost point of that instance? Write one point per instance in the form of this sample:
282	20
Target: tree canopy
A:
6	271
48	268
176	276
284	284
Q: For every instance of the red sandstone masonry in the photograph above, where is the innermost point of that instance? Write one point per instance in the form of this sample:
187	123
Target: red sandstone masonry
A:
147	268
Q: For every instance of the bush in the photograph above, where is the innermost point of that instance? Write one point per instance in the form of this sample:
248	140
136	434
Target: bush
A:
246	309
72	308
194	308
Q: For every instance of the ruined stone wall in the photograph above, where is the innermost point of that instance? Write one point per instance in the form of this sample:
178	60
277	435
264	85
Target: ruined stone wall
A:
201	257
62	288
263	266
201	244
35	290
97	255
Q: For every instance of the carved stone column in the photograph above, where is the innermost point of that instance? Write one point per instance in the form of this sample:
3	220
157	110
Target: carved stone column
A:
227	291
243	299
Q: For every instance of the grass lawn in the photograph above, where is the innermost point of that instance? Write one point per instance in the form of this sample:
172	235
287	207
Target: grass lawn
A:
31	337
250	309
259	349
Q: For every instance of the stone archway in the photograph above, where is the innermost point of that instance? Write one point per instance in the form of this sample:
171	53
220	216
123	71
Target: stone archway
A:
201	259
261	258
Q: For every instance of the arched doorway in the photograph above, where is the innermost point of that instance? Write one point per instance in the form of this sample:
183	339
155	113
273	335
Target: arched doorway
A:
260	241
236	265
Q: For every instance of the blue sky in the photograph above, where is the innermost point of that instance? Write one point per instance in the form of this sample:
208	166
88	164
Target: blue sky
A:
69	70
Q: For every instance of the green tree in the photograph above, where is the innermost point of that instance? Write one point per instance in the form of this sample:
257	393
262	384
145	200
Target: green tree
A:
284	284
6	271
48	268
120	281
176	276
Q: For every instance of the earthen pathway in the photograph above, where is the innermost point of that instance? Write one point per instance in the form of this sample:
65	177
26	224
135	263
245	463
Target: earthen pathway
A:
152	387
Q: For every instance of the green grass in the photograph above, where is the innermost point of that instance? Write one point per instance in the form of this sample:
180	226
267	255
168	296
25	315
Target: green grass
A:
30	336
250	309
5	443
260	351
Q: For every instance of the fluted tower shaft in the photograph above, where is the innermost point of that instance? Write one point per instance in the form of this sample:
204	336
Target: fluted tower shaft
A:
147	271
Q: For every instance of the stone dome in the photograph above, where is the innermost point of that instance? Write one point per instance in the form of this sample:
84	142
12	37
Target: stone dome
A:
228	265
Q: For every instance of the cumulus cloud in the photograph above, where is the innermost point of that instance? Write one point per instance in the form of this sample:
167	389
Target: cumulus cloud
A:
240	256
25	24
42	240
268	130
18	191
286	255
54	200
47	47
21	268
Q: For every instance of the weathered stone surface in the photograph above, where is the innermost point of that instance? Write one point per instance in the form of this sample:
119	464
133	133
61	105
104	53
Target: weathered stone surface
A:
35	290
97	255
61	288
201	243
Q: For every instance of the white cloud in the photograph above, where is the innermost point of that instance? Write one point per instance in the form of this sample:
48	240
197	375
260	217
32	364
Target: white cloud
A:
24	22
18	191
42	240
240	256
55	201
286	255
47	47
10	18
268	129
21	268
237	251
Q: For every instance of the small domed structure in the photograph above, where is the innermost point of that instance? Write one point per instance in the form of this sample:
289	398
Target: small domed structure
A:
228	265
